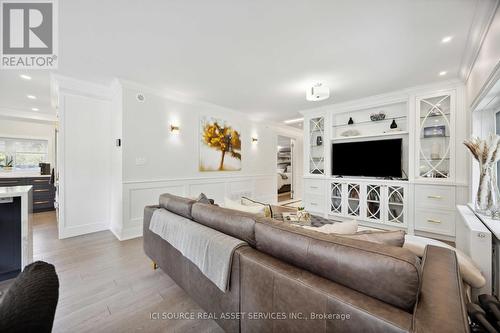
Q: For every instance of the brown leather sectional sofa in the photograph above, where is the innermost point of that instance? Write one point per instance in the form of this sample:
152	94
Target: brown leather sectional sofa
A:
292	280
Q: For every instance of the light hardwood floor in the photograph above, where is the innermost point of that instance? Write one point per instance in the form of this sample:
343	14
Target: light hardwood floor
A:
109	286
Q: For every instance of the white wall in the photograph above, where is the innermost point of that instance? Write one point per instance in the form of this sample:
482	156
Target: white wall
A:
170	161
30	130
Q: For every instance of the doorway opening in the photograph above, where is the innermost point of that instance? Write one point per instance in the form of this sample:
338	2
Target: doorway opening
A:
284	168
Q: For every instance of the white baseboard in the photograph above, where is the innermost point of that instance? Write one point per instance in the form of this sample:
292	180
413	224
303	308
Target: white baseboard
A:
67	232
130	232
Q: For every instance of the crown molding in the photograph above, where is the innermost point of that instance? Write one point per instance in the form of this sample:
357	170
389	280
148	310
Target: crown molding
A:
483	16
69	85
27	116
393	97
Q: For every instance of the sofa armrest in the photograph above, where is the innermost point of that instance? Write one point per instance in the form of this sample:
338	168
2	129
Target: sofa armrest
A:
441	303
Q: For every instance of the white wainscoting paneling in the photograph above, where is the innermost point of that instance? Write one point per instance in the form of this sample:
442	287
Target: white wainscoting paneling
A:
138	194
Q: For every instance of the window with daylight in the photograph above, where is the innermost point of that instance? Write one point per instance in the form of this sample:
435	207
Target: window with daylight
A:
25	154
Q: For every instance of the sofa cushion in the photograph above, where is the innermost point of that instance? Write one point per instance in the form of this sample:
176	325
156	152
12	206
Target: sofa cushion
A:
231	222
178	205
353	263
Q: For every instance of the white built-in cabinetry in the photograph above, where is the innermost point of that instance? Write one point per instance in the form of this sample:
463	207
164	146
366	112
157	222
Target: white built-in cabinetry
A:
432	123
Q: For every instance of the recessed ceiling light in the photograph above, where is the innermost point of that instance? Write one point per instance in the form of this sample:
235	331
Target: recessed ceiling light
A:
31	96
293	121
25	77
443	73
446	39
35	109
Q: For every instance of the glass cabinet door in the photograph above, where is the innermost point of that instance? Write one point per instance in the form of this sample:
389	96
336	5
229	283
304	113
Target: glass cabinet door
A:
336	198
316	145
353	199
373	202
395	204
435	131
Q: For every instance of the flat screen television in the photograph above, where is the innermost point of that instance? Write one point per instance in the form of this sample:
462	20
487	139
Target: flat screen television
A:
380	158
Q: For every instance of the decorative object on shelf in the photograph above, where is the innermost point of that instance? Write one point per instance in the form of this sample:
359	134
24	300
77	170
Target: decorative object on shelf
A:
393	124
487	153
350	122
318	92
8	164
377	116
435	151
220	148
319	140
351	132
435	131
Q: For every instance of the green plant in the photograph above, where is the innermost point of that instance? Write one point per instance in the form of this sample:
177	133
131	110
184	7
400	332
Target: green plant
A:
300	209
9	162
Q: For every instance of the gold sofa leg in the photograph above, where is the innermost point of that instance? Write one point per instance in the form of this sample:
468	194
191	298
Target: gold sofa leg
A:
154	265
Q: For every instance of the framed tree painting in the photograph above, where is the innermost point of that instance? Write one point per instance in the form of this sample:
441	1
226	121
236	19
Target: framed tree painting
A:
220	146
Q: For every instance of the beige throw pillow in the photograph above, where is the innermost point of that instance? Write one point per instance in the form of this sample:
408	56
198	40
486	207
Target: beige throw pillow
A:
347	227
468	270
268	212
236	205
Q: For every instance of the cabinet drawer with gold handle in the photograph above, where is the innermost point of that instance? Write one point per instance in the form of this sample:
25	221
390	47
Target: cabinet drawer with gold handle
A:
314	203
434	196
436	221
314	186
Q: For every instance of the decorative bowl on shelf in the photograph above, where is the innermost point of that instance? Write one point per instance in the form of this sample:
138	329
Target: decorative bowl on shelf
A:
377	116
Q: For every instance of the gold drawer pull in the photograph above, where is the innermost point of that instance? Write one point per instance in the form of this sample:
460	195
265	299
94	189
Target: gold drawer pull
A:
40	202
41	190
313	204
434	197
40	181
433	221
9	181
314	187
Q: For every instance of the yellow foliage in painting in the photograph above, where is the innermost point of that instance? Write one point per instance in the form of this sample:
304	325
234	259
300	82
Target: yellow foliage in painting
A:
224	139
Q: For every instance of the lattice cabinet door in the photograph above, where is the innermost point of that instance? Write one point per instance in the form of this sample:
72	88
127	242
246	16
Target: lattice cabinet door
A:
336	196
317	146
435	136
396	205
353	199
373	203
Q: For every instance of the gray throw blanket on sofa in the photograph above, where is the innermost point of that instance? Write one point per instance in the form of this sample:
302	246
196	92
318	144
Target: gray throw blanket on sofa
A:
210	250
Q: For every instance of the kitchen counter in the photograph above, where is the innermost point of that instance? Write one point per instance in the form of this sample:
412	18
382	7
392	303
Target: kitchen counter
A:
20	174
43	190
16	236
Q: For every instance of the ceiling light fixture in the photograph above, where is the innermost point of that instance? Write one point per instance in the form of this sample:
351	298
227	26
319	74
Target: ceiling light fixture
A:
443	73
318	92
35	109
25	77
293	121
446	39
31	96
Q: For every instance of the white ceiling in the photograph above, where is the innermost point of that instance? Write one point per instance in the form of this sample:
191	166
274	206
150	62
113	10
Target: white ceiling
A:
13	91
259	56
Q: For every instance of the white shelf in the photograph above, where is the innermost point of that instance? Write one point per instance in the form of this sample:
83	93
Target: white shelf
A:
368	136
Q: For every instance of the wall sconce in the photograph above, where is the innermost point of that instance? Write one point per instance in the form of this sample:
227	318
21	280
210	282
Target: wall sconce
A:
254	140
174	129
